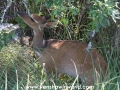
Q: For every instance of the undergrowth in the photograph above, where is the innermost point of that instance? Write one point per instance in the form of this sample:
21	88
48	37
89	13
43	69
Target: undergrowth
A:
19	68
21	71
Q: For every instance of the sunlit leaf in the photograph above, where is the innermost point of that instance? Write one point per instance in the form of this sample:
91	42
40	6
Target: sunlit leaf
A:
64	21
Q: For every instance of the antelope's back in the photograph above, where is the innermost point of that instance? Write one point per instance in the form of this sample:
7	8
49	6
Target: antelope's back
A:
67	56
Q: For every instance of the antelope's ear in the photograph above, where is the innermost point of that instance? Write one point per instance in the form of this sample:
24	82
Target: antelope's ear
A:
49	24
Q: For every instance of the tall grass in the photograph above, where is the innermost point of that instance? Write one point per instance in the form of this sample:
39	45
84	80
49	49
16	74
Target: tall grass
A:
21	71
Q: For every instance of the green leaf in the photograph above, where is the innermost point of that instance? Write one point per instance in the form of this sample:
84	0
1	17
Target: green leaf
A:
108	22
102	22
40	13
96	25
58	2
38	1
105	0
64	21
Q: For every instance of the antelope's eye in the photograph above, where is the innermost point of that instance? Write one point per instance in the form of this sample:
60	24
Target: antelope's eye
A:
32	19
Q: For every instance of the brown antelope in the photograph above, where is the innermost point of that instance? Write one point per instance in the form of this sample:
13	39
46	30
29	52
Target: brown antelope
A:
64	56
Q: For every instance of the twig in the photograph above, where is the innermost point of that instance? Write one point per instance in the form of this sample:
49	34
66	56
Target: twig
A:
9	2
82	11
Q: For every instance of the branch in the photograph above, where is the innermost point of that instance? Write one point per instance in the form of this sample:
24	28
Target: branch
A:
9	2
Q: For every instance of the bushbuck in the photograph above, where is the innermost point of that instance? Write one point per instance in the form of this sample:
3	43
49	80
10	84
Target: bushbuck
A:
65	56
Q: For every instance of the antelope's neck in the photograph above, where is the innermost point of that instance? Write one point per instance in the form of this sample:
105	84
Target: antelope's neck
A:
38	42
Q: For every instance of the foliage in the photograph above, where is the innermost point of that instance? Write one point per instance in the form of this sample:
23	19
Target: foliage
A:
98	15
59	8
5	38
100	11
19	70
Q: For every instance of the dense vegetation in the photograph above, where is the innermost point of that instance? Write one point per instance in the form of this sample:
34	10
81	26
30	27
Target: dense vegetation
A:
76	19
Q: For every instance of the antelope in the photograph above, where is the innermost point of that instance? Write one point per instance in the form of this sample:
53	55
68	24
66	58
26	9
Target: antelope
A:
64	56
